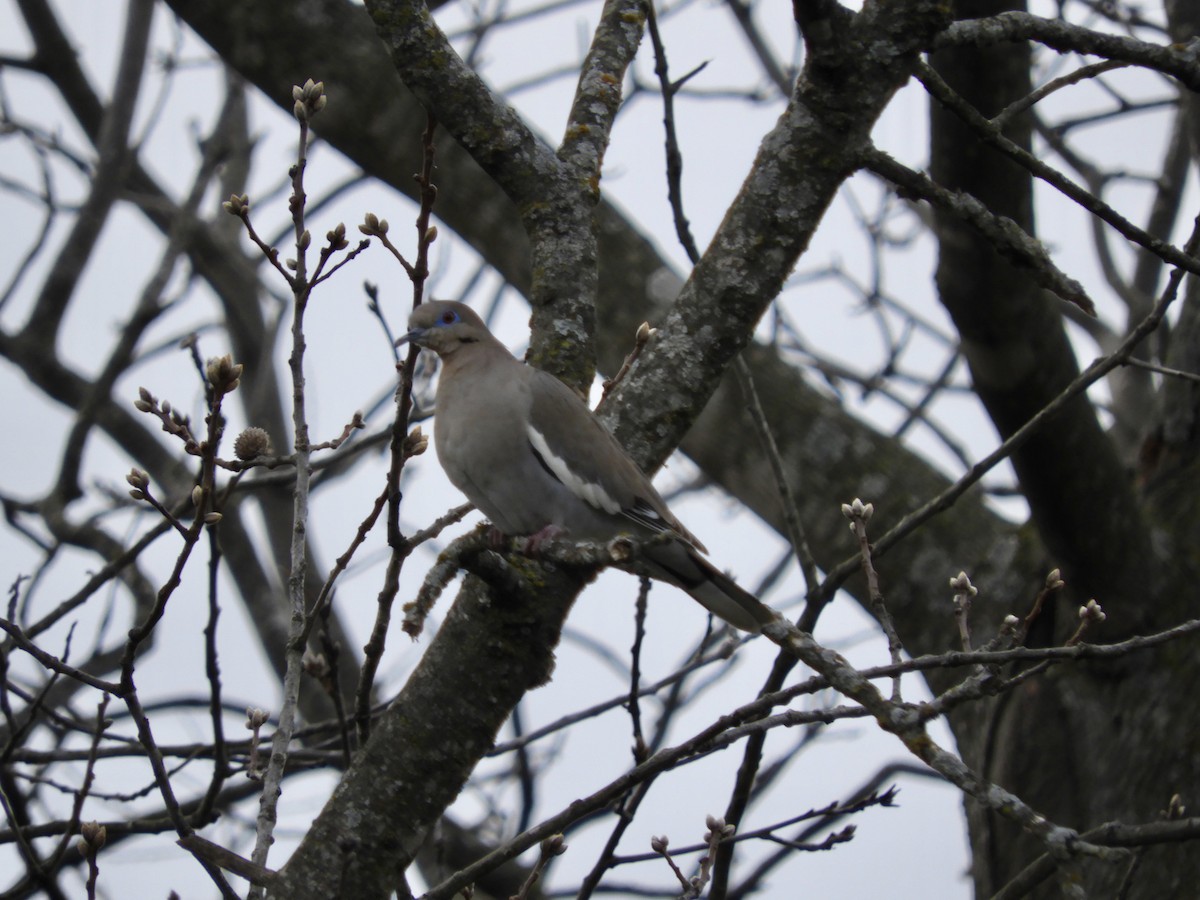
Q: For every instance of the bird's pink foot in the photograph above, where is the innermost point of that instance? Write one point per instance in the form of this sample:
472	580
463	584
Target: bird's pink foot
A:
533	543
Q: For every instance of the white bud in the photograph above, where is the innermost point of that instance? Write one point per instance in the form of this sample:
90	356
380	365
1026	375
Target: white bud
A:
961	584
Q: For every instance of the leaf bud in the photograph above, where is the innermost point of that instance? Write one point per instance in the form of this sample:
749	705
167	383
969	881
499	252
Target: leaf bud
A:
961	584
94	834
223	373
337	237
415	443
236	205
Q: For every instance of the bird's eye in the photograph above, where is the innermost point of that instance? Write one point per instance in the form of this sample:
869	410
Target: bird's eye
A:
449	317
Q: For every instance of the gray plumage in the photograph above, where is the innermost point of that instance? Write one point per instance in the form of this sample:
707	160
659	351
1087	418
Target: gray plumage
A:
534	459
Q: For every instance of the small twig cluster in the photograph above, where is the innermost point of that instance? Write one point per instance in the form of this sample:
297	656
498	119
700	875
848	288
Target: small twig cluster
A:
693	887
548	849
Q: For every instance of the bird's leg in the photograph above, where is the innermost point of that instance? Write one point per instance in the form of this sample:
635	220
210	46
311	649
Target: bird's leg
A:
530	546
496	539
533	543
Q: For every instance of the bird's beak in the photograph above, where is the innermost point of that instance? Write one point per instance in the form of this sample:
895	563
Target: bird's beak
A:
413	337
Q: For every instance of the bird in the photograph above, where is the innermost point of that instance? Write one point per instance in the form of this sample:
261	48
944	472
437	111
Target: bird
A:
537	462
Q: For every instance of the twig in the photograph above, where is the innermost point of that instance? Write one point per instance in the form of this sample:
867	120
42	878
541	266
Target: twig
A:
641	339
403	444
551	847
635	670
791	510
1083	73
863	800
212	670
341	563
1052	584
660	845
92	839
717	833
1006	236
859	514
309	100
217	855
85	788
52	663
775	73
683	229
1162	370
964	592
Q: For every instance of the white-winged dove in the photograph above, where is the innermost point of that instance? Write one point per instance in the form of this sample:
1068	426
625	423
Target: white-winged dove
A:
535	460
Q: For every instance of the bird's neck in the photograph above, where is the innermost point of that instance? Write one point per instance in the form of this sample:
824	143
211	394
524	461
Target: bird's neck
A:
476	359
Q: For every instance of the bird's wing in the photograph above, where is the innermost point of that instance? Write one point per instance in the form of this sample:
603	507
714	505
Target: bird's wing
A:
574	447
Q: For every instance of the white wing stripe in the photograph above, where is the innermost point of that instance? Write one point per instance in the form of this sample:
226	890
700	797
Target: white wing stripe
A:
592	494
648	517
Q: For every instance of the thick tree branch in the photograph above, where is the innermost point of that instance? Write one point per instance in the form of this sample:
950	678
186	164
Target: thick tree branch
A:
1017	26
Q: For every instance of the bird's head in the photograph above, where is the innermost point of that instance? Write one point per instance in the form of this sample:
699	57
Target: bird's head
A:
445	326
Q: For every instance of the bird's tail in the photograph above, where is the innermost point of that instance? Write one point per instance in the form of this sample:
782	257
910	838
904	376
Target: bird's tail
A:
683	566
